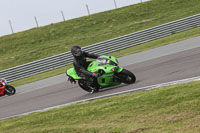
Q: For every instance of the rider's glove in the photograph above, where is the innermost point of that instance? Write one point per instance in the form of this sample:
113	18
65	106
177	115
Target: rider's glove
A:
96	75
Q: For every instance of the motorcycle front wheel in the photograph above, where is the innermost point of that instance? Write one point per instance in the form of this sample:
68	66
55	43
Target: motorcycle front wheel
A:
126	77
10	90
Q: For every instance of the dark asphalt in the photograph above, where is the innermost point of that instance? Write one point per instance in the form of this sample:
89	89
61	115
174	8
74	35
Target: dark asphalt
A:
173	67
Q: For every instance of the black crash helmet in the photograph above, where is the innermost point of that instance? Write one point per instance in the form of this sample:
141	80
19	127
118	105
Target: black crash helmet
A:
76	51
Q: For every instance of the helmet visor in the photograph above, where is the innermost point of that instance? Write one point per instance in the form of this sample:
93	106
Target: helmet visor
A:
78	52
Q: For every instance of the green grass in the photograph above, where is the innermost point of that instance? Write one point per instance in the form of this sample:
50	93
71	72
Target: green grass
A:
149	45
38	43
168	109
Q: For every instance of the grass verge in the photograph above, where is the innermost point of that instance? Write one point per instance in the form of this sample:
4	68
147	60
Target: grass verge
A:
139	48
168	109
38	43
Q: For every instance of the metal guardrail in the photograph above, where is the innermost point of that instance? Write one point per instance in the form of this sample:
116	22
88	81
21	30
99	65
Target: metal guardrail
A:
105	47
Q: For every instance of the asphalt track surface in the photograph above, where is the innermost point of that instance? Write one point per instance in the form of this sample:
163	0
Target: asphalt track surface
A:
171	67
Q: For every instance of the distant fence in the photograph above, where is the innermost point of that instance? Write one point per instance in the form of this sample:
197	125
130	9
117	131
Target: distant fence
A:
115	5
105	47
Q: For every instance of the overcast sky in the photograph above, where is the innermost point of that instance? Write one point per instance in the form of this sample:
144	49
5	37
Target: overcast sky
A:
21	12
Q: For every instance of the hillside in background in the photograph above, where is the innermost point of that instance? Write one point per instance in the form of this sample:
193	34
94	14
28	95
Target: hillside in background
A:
38	43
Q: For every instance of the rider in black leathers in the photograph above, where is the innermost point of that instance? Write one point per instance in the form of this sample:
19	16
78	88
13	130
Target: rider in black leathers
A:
80	63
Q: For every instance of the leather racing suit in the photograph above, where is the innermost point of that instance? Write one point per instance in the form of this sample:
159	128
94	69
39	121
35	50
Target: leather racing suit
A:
81	64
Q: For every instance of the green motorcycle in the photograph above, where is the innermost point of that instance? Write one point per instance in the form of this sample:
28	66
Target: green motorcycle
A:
110	74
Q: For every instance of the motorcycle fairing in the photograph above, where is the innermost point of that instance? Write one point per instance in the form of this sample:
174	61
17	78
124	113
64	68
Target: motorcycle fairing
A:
2	91
107	80
2	88
109	67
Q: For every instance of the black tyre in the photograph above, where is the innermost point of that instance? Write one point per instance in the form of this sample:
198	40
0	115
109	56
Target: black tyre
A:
126	77
10	90
88	87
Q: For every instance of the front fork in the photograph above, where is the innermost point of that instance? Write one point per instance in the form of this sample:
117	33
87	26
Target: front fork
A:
116	77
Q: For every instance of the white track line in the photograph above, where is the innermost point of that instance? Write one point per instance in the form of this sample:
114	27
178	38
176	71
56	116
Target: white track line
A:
113	94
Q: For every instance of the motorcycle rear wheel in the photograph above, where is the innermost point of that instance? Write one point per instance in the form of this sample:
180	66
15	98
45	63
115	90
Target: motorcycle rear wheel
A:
87	87
10	90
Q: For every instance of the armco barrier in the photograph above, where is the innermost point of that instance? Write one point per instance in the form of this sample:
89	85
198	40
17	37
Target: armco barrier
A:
105	47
